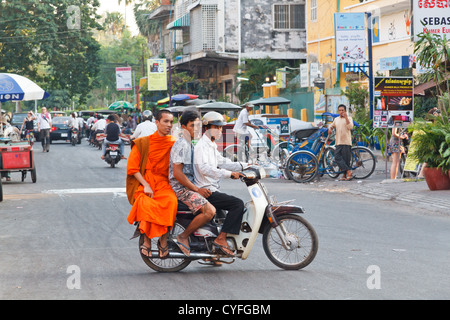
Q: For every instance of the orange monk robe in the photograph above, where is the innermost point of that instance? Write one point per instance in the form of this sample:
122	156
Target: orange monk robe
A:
155	215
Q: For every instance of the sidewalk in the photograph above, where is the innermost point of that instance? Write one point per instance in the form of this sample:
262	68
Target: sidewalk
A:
379	186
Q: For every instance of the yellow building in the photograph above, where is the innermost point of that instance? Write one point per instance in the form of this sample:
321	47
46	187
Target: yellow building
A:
391	34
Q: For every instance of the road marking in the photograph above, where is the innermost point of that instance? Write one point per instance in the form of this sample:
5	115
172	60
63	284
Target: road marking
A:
86	190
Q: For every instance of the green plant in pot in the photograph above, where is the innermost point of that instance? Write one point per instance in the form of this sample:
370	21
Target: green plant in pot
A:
432	146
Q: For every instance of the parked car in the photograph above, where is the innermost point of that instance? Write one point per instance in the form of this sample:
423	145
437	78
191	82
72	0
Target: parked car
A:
60	129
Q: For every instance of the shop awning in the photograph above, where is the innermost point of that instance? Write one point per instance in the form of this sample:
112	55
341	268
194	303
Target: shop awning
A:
179	23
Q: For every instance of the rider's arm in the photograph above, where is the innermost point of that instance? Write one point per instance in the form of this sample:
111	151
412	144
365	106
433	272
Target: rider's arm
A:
181	177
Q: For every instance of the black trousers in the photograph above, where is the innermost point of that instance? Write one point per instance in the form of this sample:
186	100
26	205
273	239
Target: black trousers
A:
343	156
235	208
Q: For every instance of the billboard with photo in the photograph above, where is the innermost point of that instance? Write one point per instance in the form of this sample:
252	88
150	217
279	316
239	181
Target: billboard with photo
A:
157	74
393	102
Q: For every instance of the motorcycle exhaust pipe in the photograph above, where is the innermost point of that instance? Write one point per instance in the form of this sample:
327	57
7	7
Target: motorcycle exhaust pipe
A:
193	255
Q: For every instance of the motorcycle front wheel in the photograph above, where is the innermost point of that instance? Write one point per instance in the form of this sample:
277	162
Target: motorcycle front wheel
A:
167	264
302	240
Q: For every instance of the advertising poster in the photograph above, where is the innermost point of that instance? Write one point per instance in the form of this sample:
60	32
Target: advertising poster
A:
431	16
123	79
157	74
393	102
350	37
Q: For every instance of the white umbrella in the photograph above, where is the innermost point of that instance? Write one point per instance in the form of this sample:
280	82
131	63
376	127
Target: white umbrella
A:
17	88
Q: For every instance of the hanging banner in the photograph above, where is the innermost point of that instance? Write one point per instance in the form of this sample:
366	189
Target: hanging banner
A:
350	37
393	102
431	16
304	76
313	73
123	79
157	74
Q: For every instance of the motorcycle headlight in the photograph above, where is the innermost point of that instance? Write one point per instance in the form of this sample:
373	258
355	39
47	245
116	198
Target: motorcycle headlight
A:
262	173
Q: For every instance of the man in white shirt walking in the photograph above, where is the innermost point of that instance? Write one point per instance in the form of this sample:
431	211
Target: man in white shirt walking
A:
44	124
209	168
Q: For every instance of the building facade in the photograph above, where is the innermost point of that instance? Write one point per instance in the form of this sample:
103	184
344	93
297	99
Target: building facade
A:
210	38
392	45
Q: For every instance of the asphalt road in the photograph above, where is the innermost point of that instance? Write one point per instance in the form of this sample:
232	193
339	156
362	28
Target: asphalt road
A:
66	237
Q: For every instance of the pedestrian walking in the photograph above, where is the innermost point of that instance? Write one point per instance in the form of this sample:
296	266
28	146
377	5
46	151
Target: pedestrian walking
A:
44	124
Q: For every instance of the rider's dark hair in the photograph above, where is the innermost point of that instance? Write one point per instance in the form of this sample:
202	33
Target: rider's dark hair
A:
343	106
159	114
188	116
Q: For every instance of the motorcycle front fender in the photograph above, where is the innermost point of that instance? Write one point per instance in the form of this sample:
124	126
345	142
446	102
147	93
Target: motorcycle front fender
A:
274	212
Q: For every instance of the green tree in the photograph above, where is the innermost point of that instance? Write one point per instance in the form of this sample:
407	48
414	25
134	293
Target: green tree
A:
256	71
433	52
51	42
357	96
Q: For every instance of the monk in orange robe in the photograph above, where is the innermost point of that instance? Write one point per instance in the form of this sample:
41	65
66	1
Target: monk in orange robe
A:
155	203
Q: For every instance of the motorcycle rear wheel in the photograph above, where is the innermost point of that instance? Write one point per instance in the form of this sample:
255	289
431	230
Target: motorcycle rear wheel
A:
302	237
168	264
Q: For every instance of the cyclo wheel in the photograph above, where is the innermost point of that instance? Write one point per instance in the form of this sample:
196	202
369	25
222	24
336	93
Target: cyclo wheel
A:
302	238
329	163
302	166
167	264
363	162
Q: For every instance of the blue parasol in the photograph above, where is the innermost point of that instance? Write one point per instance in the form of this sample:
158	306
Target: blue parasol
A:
17	88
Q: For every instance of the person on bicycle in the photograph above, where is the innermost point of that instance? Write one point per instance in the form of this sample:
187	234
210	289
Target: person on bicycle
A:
343	155
28	123
242	124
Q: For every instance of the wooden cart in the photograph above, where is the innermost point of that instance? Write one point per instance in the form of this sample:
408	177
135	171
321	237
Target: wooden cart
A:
16	157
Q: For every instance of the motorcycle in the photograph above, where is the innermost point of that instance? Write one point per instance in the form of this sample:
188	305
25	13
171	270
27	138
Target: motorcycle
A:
74	137
112	155
289	241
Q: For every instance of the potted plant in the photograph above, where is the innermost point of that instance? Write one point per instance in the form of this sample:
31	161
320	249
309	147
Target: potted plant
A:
432	146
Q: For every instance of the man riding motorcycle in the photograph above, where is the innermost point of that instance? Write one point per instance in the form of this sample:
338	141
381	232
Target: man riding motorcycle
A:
210	167
112	131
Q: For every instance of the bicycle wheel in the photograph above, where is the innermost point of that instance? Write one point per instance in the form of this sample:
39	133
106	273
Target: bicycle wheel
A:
302	166
329	163
363	162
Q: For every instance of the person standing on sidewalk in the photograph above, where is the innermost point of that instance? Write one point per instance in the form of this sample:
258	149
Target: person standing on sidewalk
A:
44	123
343	125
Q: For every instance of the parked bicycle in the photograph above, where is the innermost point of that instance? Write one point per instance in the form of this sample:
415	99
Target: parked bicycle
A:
315	156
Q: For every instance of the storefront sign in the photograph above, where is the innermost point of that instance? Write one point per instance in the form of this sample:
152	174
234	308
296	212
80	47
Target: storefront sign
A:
393	63
350	37
431	16
393	102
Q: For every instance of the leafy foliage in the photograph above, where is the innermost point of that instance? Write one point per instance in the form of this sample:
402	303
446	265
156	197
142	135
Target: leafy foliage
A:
432	143
51	42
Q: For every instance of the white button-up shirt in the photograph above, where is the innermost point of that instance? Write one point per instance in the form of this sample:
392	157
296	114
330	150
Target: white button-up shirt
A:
210	166
146	128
